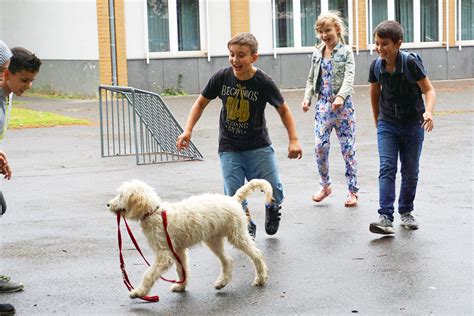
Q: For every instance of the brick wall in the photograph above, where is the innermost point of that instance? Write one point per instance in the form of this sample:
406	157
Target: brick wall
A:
105	56
239	16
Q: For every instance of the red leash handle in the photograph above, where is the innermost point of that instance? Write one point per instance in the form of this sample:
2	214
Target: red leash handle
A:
126	280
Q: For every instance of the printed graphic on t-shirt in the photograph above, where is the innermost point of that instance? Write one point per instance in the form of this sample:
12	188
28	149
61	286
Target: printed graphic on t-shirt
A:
237	108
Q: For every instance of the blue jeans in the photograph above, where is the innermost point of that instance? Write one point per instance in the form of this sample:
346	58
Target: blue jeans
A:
251	164
406	141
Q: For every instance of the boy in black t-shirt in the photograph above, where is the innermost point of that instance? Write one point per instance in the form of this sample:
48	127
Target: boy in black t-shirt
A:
245	149
401	120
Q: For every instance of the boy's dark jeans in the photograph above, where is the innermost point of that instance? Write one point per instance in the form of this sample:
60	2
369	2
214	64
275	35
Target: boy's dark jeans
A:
394	140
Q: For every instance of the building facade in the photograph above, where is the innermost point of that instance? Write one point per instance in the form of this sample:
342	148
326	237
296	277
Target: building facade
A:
170	45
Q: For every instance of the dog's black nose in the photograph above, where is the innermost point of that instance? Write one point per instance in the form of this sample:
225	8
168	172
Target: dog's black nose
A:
108	204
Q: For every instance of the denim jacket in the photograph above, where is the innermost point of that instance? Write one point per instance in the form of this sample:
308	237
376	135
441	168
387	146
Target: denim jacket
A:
342	77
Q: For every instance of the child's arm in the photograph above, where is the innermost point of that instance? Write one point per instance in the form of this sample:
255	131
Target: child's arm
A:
374	100
430	99
294	148
347	87
309	91
194	114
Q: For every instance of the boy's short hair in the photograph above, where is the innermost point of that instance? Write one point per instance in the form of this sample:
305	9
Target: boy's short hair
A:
389	29
245	39
5	53
23	59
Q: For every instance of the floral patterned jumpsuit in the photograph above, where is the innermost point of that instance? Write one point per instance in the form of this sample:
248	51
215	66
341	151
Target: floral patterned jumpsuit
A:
343	121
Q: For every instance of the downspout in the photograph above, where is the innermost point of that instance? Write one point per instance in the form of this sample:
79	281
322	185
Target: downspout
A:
274	29
208	33
369	18
113	49
447	26
357	27
145	31
459	23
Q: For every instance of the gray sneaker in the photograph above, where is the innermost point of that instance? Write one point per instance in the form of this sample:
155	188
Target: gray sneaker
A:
408	221
383	226
8	286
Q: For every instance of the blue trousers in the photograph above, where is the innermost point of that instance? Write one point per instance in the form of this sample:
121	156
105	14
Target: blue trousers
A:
394	141
251	164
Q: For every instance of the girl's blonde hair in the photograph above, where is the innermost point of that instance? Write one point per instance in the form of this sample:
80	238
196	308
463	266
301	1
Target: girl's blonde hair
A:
331	18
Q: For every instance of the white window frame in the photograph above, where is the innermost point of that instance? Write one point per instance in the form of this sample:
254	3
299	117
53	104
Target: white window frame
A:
173	33
297	48
458	27
416	26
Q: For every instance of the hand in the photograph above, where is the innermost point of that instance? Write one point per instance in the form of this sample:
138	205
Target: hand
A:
338	102
428	121
305	105
294	150
183	140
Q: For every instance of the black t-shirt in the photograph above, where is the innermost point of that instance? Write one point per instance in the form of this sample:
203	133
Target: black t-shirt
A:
242	124
400	101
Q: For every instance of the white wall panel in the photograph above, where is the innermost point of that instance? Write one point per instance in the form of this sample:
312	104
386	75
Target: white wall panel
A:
135	28
53	29
219	26
261	24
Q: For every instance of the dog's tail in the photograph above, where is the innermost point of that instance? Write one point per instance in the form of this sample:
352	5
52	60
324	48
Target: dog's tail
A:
253	185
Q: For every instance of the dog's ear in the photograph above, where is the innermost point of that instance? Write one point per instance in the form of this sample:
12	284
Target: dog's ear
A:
137	204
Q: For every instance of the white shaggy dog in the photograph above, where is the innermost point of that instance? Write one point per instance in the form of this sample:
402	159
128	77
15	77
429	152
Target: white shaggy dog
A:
207	218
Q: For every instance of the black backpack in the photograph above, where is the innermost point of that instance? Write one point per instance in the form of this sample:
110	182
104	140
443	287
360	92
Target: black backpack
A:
404	70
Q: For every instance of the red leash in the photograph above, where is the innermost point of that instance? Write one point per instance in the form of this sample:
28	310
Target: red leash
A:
126	280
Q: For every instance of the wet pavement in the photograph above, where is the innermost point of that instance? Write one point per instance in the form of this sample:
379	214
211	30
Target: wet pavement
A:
58	238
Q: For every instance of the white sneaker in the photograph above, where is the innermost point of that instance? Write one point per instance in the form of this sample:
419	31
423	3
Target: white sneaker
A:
383	226
408	221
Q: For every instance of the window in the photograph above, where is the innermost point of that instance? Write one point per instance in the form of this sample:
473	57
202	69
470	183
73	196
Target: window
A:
173	25
404	15
310	10
341	6
379	12
429	21
188	25
420	19
466	20
284	23
158	26
305	12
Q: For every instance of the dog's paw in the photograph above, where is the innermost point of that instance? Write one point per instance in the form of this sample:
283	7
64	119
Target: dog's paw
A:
260	280
135	293
178	287
220	284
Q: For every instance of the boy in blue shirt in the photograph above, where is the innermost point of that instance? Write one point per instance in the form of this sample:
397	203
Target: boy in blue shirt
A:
19	68
245	149
401	118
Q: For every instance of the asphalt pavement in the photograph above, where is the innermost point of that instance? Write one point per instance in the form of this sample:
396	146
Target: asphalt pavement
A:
59	239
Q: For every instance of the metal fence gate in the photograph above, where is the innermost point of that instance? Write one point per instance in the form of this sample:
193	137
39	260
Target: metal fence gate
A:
138	122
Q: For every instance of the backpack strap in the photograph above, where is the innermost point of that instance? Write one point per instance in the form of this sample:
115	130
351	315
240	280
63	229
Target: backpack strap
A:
378	68
405	71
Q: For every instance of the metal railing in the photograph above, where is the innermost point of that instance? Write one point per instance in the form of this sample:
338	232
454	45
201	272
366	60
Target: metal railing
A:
138	122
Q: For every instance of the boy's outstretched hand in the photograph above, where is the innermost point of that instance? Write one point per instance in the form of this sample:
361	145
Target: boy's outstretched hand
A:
4	167
294	150
183	140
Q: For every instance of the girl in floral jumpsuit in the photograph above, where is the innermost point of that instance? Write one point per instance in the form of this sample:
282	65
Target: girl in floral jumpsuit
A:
331	80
